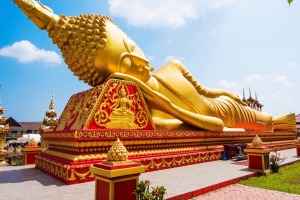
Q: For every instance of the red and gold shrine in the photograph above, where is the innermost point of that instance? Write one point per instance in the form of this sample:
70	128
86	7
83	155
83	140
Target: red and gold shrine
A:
85	132
258	156
30	152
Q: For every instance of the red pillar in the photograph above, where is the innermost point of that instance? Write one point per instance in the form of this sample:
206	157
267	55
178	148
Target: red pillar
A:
298	149
116	180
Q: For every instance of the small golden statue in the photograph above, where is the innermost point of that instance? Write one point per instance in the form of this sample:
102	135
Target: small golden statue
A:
95	49
121	115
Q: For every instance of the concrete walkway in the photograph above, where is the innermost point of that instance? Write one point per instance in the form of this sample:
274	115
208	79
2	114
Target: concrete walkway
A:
216	178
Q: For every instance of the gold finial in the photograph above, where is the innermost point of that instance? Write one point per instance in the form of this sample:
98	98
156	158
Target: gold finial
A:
32	142
41	15
117	152
51	106
257	142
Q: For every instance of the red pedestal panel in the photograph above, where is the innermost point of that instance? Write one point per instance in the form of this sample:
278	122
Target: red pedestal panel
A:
30	153
255	162
103	188
124	190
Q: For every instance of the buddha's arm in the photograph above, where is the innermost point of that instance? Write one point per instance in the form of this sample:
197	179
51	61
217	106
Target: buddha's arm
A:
201	89
157	101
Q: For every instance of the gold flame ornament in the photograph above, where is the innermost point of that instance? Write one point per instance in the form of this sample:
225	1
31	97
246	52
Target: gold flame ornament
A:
257	142
117	152
32	142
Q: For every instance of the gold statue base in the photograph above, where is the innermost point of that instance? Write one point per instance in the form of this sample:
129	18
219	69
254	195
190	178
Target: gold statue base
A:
70	153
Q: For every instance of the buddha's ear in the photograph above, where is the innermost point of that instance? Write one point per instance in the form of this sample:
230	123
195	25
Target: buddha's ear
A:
138	61
134	59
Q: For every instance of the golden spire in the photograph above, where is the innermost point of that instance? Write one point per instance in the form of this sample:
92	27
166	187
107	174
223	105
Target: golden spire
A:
257	142
2	117
117	152
51	106
50	119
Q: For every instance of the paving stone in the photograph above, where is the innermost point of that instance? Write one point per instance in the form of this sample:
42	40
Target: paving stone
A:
27	183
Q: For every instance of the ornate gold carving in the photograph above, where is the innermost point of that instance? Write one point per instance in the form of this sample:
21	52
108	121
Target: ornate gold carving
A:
62	171
117	152
121	115
257	142
56	169
181	160
76	112
125	108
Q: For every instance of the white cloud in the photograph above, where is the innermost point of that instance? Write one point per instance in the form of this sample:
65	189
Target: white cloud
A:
167	13
25	52
168	58
150	57
282	80
226	84
256	77
290	64
216	29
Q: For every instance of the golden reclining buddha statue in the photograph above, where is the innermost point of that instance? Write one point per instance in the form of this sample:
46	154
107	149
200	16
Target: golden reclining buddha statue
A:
96	49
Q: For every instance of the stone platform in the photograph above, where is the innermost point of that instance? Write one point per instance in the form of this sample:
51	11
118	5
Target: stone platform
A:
70	153
186	182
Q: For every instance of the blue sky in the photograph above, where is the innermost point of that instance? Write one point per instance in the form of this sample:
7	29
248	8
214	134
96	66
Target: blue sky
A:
226	44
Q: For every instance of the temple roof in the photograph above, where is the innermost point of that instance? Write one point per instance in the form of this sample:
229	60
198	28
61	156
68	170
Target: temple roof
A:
298	121
14	125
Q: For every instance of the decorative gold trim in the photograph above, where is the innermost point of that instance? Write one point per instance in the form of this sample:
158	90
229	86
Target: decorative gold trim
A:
58	169
257	151
75	157
193	158
107	134
116	173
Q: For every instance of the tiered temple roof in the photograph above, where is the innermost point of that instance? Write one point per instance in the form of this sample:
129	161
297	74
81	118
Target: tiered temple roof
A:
252	103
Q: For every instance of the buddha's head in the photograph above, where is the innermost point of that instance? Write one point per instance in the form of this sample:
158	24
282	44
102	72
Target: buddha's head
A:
123	92
92	46
121	54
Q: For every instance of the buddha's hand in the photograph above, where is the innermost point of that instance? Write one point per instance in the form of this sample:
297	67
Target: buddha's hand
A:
235	97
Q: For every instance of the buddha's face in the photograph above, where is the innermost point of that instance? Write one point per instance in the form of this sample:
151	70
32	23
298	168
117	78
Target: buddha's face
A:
121	54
